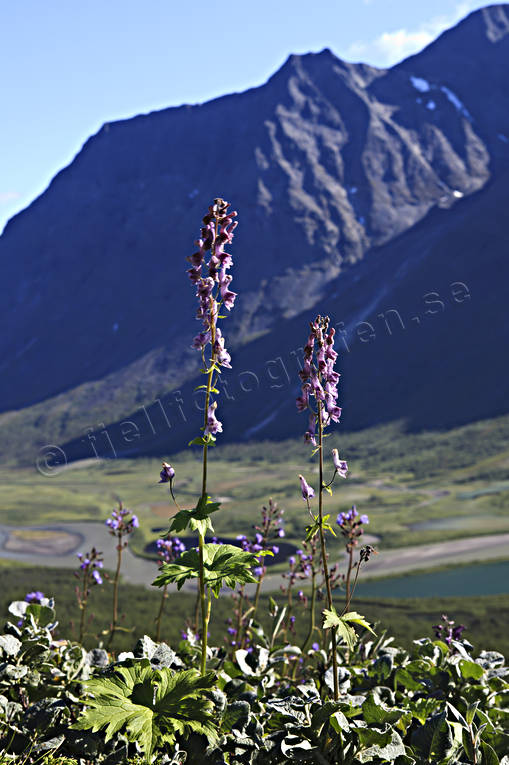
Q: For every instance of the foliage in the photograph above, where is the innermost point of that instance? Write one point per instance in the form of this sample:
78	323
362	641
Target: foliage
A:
152	707
224	566
435	704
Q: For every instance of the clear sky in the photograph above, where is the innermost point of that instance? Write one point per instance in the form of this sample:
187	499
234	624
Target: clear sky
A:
68	66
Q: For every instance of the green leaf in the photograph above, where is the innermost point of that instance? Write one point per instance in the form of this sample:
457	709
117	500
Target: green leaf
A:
489	756
314	528
224	565
387	752
342	625
470	670
204	387
334	621
470	713
9	645
432	738
377	713
197	519
150	707
208	440
353	616
339	722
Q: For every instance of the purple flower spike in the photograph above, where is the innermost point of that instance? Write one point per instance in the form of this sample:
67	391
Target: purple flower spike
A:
307	492
318	377
209	273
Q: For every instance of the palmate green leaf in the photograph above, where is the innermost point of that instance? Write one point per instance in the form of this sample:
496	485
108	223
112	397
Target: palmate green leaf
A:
332	620
355	618
224	565
150	706
197	519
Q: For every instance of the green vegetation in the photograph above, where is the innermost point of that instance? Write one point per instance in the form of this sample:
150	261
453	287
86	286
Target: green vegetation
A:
406	618
441	703
400	479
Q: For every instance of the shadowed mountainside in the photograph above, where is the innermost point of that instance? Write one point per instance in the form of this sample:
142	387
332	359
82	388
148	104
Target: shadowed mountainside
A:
358	190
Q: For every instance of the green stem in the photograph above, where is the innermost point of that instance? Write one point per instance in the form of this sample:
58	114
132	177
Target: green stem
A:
204	614
348	575
324	552
83	605
312	625
239	638
115	593
160	613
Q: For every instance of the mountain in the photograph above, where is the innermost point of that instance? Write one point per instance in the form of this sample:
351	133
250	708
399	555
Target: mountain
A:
359	190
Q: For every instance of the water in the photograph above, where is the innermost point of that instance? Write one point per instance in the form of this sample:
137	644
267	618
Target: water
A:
475	579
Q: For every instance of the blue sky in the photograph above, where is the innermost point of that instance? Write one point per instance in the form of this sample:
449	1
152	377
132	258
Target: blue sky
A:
68	66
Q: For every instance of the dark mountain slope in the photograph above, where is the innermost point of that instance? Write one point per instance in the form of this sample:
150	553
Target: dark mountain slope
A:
449	367
326	162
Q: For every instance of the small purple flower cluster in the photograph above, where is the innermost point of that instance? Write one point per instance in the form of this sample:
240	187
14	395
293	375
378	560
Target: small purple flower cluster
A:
34	597
91	563
213	289
120	525
300	567
170	549
351	524
318	377
446	631
268	532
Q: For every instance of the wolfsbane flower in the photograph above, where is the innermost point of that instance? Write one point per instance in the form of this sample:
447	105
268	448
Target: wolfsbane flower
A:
340	465
167	474
318	377
307	491
211	277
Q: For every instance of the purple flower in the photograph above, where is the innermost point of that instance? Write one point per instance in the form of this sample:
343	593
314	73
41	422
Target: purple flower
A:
118	523
213	425
307	492
281	532
364	519
258	571
319	378
315	646
34	597
340	465
97	576
167	474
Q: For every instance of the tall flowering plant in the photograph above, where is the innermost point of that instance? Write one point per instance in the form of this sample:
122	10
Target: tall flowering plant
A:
121	525
88	574
212	564
319	399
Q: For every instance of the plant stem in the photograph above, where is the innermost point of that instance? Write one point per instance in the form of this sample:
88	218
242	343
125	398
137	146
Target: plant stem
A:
83	605
312	625
160	613
239	638
348	575
324	553
115	593
204	610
